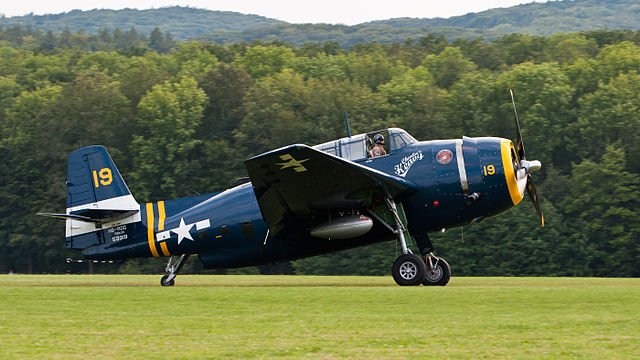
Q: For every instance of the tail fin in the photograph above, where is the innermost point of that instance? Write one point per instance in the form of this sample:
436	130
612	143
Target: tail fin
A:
94	180
96	196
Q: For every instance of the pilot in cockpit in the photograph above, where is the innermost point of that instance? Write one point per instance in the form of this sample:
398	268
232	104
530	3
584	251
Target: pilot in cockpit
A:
378	148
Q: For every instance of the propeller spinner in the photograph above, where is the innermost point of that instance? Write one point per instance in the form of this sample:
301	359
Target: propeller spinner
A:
523	174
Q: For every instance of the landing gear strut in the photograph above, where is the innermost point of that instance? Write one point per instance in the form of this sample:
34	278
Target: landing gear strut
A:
408	269
173	268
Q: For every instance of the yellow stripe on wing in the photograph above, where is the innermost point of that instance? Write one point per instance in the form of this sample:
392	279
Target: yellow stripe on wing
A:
161	216
150	235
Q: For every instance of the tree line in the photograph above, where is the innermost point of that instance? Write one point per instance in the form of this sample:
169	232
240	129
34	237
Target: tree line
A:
181	122
130	41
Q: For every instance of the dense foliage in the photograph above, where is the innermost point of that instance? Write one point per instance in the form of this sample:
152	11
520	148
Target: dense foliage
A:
182	122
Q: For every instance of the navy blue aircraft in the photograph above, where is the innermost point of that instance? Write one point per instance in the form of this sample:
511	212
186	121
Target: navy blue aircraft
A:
306	200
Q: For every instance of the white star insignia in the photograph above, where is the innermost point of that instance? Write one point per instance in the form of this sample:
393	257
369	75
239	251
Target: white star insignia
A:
183	231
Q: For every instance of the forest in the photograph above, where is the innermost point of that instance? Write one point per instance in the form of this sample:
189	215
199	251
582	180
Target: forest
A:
181	120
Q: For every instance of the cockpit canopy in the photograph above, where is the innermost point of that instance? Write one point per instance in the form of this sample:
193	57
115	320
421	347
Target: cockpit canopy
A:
358	147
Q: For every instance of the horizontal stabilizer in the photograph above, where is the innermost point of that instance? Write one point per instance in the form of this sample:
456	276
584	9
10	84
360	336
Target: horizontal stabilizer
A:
69	217
93	215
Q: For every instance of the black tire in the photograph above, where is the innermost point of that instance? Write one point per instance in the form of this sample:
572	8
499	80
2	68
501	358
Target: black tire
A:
408	270
439	276
164	282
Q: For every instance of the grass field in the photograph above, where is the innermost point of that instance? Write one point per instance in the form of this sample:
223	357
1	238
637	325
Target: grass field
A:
132	317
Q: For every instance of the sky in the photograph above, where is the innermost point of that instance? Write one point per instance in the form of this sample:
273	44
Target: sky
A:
348	12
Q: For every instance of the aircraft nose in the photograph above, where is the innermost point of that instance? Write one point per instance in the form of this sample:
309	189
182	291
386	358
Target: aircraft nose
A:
515	175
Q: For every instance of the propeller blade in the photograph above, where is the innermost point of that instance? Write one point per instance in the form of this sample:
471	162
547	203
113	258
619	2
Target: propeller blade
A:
519	145
531	189
526	166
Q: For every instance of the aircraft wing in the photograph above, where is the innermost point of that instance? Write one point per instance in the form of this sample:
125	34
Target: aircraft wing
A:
292	182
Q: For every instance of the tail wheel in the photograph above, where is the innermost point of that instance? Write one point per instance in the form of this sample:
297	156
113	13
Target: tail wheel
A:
408	270
164	281
439	275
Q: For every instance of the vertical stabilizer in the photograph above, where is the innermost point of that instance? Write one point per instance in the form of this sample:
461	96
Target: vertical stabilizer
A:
97	197
94	179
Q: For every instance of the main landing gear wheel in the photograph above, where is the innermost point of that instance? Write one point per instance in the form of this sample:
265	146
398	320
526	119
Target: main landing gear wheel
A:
409	270
164	281
438	271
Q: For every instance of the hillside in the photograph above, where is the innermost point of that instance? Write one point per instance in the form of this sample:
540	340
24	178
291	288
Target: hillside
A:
538	18
228	27
534	19
182	22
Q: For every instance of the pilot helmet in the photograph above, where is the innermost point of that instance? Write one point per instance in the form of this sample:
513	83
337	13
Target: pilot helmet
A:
378	139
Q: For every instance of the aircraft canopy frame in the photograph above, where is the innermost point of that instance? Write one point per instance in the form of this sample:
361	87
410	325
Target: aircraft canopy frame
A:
356	148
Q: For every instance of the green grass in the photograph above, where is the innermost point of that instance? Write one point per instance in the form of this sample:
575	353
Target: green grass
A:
132	317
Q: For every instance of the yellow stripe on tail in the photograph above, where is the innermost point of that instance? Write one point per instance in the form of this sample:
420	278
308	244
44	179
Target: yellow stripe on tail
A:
161	216
150	232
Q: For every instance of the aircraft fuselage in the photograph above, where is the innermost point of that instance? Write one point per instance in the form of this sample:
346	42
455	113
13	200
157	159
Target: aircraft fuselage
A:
227	229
